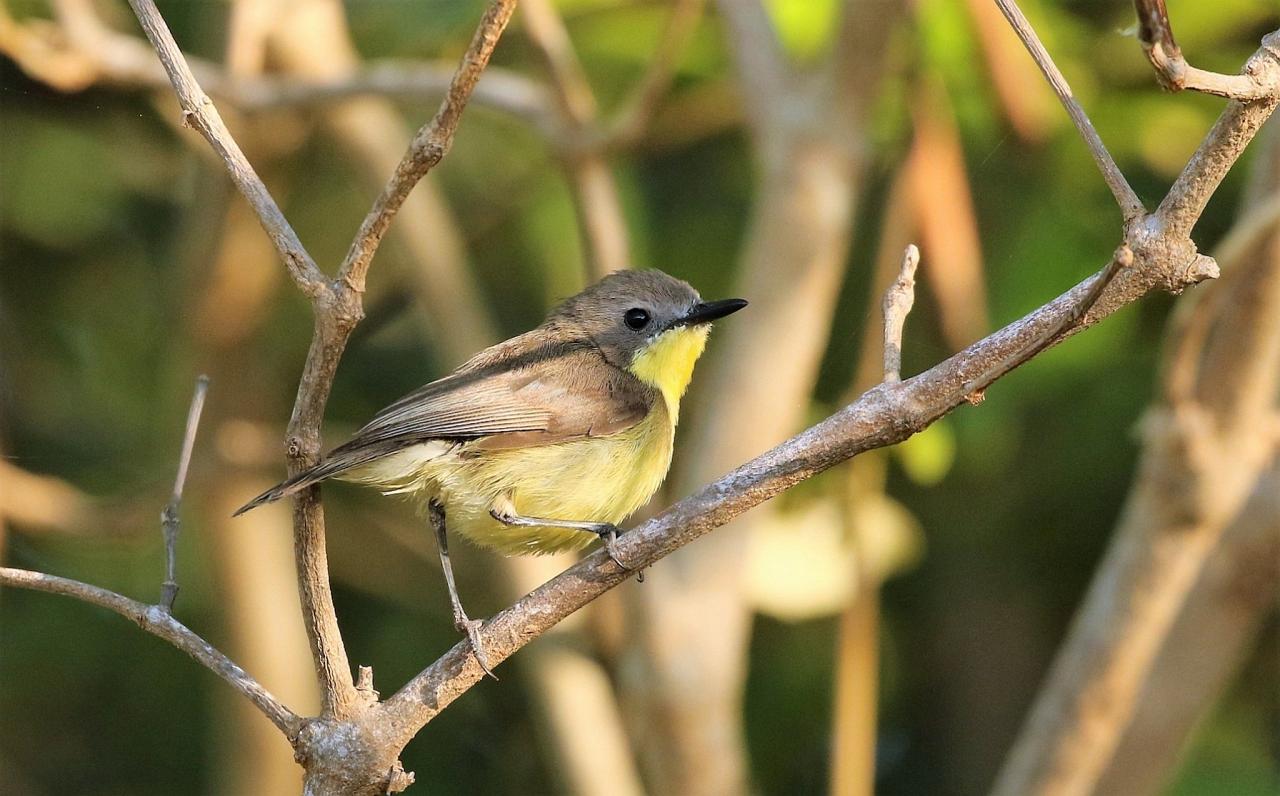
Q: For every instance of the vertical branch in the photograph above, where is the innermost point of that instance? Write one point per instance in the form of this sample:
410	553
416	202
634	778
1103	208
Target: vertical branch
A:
806	129
897	303
169	518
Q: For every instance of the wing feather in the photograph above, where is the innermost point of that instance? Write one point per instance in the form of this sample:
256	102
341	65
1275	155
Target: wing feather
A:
493	402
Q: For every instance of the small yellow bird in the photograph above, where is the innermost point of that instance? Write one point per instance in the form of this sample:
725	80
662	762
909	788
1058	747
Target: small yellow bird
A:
546	441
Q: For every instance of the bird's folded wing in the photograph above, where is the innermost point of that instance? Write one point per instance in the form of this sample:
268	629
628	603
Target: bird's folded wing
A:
577	397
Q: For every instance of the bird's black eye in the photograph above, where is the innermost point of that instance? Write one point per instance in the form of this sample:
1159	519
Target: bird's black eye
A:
636	318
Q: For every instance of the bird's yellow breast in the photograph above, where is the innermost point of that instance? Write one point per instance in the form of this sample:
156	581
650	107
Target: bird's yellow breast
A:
597	479
667	363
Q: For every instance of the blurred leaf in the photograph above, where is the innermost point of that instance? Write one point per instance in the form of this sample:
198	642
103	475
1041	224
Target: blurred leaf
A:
927	457
805	26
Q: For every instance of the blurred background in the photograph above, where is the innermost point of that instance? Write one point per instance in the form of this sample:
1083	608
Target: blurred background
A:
885	625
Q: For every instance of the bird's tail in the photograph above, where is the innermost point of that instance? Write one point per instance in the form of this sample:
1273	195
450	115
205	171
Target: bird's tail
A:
324	470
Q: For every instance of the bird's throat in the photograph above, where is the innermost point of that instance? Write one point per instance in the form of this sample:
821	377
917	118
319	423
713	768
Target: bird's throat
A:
667	363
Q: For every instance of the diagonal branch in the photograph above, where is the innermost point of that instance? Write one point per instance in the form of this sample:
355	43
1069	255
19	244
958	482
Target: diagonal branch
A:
198	111
429	145
1130	205
1159	256
157	621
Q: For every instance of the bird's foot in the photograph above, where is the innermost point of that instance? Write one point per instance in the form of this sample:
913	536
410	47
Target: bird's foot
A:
608	533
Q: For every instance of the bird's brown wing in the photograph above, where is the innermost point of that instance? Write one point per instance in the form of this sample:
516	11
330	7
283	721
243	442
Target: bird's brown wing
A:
566	395
576	395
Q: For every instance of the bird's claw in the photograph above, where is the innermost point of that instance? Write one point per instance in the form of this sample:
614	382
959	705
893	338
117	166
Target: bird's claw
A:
609	537
471	627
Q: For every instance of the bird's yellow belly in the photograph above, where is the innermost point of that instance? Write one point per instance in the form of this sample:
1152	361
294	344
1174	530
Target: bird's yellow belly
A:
597	479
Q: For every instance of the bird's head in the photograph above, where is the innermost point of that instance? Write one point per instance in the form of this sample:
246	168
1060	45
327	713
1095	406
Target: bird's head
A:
647	322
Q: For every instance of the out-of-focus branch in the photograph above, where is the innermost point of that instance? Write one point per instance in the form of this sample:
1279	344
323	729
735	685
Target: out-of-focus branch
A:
81	51
599	206
41	502
1130	205
1205	647
157	621
1173	71
1028	103
638	108
765	75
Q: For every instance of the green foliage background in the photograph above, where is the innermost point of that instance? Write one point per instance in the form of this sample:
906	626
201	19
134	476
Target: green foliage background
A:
101	212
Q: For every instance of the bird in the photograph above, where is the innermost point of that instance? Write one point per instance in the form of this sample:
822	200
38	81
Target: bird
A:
546	441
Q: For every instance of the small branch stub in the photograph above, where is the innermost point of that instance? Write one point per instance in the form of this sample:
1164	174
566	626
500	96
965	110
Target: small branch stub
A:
170	521
898	300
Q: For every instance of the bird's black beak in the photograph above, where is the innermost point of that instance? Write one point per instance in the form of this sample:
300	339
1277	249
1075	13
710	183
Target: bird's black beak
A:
708	311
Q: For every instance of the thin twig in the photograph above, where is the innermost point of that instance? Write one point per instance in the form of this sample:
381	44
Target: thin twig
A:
1130	205
896	304
158	622
198	111
169	518
1073	321
1172	70
429	145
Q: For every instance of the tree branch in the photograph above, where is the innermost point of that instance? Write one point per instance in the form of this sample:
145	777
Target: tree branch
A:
638	108
1172	70
1203	456
169	517
429	146
1130	205
1160	256
337	308
897	303
157	621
